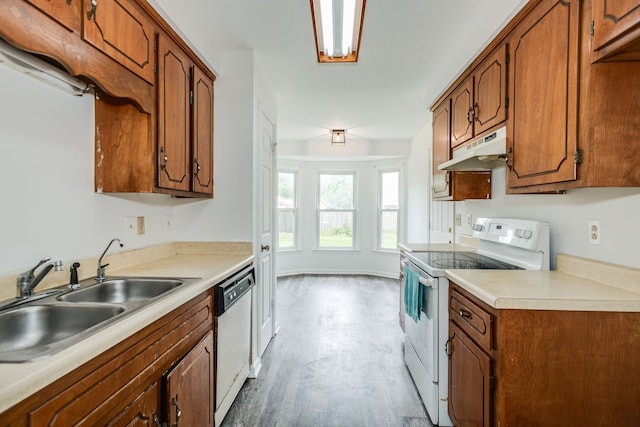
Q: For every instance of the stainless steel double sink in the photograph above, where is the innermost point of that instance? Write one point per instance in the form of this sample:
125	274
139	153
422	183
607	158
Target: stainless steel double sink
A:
56	319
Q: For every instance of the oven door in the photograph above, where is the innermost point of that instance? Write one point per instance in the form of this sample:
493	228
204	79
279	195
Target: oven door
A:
423	335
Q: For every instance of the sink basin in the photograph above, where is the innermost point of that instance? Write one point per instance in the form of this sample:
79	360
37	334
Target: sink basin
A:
122	291
36	331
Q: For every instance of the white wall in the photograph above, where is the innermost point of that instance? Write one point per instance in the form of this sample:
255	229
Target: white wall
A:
418	187
618	209
365	259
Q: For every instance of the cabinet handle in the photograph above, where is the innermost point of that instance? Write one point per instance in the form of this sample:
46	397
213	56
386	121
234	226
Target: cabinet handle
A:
464	314
165	158
196	166
475	112
92	11
156	420
178	410
447	347
470	114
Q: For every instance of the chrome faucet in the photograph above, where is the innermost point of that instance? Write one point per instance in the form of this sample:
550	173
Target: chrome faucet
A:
100	277
27	281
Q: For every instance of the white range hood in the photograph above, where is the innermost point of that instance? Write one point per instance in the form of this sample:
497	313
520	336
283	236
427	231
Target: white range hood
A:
484	153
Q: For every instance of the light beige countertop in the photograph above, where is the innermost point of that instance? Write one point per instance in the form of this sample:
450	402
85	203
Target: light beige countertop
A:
209	261
578	285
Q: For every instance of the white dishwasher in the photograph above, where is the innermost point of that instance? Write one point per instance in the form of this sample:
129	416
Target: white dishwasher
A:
232	311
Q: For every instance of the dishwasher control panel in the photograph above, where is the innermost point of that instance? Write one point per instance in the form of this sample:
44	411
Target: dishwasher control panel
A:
229	291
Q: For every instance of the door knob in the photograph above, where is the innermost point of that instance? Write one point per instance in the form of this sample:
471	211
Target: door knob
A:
264	248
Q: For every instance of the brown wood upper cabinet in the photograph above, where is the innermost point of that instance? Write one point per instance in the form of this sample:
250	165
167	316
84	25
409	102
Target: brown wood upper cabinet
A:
447	185
543	88
185	121
616	29
479	102
121	30
65	12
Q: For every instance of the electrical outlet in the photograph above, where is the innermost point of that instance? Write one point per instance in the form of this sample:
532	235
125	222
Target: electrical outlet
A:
469	220
140	225
130	226
595	232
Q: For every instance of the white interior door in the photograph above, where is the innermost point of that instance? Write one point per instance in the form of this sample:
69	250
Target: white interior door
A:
266	279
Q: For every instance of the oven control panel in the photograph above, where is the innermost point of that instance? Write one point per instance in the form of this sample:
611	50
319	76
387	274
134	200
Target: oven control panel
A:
526	234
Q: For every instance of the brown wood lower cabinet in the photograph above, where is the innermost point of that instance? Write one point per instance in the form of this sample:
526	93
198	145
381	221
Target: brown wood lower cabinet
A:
121	387
469	381
189	387
542	367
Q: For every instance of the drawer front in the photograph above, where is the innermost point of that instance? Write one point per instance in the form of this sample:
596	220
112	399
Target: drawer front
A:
472	319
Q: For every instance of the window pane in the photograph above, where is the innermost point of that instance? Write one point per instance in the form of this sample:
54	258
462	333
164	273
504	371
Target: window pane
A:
336	192
336	229
389	230
286	225
286	190
390	190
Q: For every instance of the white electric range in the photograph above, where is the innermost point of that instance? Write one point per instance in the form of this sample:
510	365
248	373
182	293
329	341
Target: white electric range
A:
503	244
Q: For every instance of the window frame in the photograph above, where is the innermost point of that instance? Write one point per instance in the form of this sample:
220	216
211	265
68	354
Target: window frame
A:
353	210
295	210
381	210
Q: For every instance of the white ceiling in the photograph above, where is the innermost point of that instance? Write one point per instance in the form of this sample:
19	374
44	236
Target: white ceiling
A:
410	51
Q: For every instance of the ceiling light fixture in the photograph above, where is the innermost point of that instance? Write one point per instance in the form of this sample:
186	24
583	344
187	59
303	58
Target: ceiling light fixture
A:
337	28
338	137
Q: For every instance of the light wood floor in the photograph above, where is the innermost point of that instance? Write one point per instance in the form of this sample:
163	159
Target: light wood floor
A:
337	359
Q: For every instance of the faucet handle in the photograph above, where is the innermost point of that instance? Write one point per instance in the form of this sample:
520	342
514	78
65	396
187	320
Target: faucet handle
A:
30	273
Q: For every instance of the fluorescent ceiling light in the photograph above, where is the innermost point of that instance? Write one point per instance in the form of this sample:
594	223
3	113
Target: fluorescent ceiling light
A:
35	67
337	28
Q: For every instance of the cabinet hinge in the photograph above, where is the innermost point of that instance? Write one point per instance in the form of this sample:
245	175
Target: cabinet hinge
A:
190	97
592	29
508	58
578	157
492	382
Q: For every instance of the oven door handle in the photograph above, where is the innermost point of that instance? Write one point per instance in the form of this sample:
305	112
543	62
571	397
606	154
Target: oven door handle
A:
423	278
429	283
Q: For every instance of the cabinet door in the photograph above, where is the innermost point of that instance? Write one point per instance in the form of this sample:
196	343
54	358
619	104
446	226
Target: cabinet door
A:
462	113
490	91
202	133
174	147
65	12
120	30
144	411
190	387
613	19
469	381
543	89
440	151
